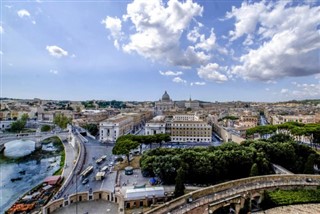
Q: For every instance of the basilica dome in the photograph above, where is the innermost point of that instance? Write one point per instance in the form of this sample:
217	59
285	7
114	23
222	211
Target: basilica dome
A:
165	96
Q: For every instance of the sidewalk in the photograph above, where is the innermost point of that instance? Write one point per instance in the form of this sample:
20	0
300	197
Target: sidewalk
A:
69	159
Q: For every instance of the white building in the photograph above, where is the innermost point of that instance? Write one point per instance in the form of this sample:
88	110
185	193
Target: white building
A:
5	124
156	126
115	127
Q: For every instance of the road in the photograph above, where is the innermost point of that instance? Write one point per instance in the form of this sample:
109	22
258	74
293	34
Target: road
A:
93	150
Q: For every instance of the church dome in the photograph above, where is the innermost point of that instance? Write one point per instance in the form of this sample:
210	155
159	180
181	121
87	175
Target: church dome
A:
165	96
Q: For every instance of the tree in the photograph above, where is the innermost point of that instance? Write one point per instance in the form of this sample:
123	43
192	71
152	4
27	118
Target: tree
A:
17	126
61	120
254	170
123	147
25	117
179	186
92	128
45	128
308	167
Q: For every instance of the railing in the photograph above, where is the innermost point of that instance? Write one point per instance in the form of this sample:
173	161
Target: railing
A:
221	191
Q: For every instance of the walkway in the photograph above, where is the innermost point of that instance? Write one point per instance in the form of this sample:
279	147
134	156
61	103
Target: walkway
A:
89	207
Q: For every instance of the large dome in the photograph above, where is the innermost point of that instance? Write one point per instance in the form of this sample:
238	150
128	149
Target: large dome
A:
165	96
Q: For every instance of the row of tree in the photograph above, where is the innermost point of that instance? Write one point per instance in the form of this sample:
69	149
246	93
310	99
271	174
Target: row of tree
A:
126	143
228	161
298	130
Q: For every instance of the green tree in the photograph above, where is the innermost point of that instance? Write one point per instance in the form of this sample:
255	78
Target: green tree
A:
254	170
45	128
123	147
308	167
179	186
17	126
92	128
61	120
25	117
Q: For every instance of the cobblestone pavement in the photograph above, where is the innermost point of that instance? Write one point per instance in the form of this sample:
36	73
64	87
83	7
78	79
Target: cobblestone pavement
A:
293	209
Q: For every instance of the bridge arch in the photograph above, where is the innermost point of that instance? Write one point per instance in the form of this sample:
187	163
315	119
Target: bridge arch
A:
241	188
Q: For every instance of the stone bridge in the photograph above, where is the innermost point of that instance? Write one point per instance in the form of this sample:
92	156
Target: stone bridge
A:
210	199
36	137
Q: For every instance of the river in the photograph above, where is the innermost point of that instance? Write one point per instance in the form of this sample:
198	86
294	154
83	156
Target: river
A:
16	162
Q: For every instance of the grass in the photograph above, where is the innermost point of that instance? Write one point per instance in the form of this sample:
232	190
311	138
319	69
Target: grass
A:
135	163
289	197
62	162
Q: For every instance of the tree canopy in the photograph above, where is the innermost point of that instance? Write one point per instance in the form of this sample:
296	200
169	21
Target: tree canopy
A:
123	147
61	120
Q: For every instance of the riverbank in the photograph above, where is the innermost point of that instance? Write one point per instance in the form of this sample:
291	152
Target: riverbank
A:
34	168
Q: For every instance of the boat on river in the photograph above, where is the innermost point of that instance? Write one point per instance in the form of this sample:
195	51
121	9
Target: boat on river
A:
16	179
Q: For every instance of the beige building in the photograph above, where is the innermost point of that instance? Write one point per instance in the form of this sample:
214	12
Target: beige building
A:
280	119
189	128
115	127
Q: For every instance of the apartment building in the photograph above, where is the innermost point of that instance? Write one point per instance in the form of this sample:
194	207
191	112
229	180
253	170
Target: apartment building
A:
189	128
182	128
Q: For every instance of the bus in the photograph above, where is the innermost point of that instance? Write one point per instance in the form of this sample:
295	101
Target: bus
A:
105	168
99	161
103	157
87	171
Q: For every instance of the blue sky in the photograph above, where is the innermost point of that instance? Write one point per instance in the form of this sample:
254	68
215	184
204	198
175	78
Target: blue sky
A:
134	50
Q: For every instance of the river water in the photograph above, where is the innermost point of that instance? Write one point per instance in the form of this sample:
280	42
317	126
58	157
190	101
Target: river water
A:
15	163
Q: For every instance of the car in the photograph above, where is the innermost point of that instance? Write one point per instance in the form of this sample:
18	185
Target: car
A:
86	180
308	180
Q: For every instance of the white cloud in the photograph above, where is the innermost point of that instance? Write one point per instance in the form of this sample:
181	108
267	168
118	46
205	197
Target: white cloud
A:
194	35
179	80
267	89
197	83
1	30
156	28
212	72
303	91
73	56
22	13
289	37
170	73
53	71
33	22
1	53
207	44
114	25
56	51
246	17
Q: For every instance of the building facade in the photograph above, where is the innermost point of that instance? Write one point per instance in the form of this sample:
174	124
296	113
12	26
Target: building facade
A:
115	127
181	128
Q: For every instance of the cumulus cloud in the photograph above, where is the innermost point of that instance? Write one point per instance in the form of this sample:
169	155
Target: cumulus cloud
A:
22	13
1	53
156	30
212	72
114	25
302	91
170	73
179	80
53	71
197	83
56	51
289	38
207	44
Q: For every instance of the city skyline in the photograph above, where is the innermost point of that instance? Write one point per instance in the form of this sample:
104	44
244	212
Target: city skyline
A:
135	50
